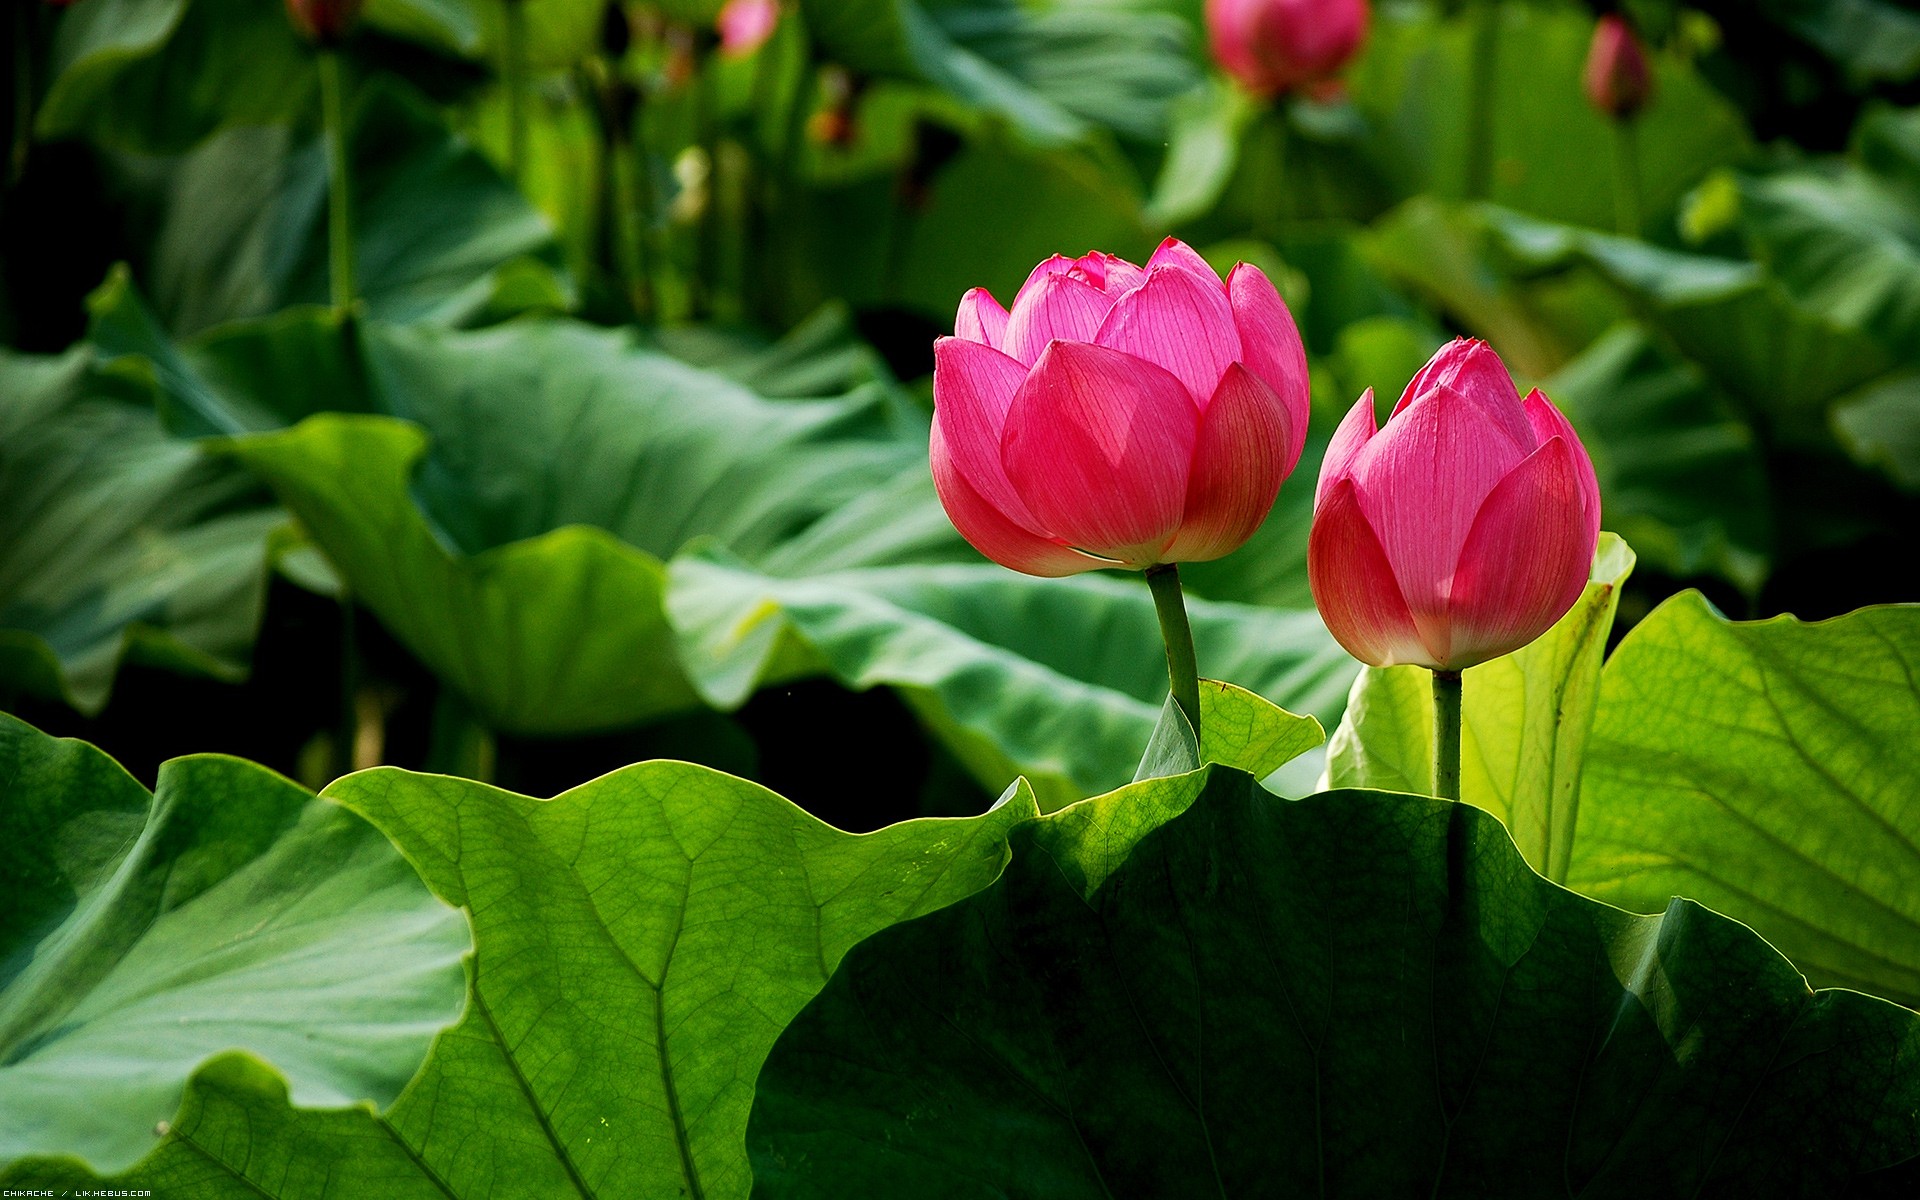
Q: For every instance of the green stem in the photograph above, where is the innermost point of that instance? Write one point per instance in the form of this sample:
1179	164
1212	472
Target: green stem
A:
348	733
1182	673
513	68
462	744
1626	178
632	219
1446	734
1481	78
25	17
783	190
333	117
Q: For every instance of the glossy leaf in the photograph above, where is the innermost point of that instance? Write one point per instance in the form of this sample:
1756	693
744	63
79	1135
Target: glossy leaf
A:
1055	71
1237	729
1525	721
1057	680
116	541
438	234
142	933
1682	476
1762	769
639	943
1357	994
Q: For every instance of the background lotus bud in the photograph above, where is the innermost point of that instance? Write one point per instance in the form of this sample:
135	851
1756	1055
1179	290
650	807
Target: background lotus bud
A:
1118	415
1459	531
1619	79
324	22
1275	46
745	25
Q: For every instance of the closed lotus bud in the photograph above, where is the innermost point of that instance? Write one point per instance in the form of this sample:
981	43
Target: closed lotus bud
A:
1275	46
1460	530
1619	78
1118	415
745	25
324	22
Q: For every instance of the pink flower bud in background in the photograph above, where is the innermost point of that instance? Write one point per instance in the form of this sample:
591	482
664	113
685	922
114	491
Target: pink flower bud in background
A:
1459	531
324	22
1118	415
745	25
1619	79
1275	46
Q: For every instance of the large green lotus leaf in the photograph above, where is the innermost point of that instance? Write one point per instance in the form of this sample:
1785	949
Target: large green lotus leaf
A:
1060	680
559	633
1553	154
142	933
438	235
159	75
1682	477
115	540
1767	769
1880	426
1873	39
1054	70
1772	355
1524	724
640	941
1358	994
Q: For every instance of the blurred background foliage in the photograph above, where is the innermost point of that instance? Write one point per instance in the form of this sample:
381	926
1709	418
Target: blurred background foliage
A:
620	450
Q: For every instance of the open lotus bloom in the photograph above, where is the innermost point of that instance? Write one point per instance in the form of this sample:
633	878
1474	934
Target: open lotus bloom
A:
1275	46
1118	415
1459	531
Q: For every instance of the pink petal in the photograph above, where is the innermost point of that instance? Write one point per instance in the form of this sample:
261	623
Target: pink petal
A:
1058	264
990	532
1057	308
1355	430
1099	444
1270	344
1354	587
980	319
1238	466
1230	26
1177	322
1526	560
1422	480
1110	273
1177	253
1470	367
973	386
1548	422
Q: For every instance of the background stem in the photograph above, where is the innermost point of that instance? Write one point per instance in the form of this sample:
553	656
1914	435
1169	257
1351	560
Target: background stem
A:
514	67
1446	734
1171	606
1626	178
333	110
1481	78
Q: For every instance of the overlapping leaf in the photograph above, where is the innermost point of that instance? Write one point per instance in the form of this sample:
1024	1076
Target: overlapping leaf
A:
1765	769
116	540
1356	994
142	933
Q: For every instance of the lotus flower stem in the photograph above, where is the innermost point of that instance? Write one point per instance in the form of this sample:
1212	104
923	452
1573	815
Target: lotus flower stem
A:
1626	179
1446	734
1182	673
1481	77
333	115
513	68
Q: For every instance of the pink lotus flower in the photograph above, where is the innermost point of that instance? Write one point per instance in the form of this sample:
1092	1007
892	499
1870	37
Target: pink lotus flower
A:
745	25
1275	46
1460	531
1619	79
324	22
1118	415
